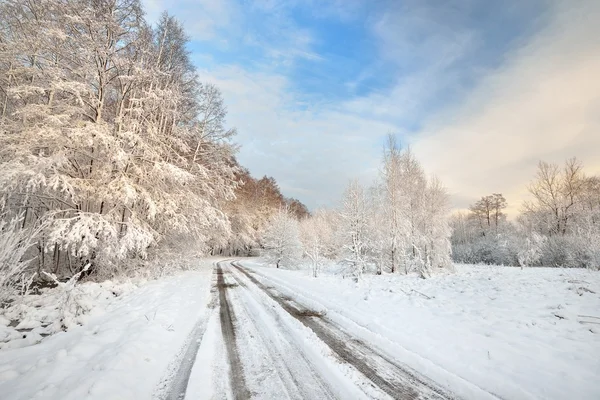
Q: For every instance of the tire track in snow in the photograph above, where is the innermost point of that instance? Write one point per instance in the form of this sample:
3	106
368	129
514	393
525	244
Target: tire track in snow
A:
236	372
175	383
181	378
298	378
393	379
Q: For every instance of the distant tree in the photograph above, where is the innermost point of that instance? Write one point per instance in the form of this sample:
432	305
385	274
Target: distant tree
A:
316	234
559	227
297	209
557	193
487	213
281	239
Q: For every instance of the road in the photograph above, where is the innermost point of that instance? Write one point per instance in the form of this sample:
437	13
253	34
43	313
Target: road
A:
274	347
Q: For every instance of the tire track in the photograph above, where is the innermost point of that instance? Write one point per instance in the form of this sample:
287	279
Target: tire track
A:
179	382
174	385
236	372
298	376
395	380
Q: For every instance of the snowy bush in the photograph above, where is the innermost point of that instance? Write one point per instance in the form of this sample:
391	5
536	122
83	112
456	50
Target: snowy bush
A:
500	250
69	301
571	251
55	309
531	253
14	244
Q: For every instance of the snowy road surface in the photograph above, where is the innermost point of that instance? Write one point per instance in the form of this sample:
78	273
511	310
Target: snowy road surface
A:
269	346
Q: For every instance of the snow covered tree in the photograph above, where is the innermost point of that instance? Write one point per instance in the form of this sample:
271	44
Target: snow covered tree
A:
556	196
381	253
316	234
102	135
436	228
409	221
391	204
354	227
281	240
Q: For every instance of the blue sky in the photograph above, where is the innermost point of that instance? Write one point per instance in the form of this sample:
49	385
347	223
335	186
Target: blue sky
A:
332	51
314	86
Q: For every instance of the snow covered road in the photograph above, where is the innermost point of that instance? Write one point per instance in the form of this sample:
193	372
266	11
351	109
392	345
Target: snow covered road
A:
275	347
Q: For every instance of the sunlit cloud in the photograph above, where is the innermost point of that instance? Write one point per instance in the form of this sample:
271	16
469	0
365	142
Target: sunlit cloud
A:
542	104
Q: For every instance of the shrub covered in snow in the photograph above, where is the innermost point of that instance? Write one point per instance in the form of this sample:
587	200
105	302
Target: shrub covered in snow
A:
31	317
14	244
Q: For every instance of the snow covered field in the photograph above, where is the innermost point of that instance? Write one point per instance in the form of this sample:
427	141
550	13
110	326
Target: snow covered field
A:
518	334
481	333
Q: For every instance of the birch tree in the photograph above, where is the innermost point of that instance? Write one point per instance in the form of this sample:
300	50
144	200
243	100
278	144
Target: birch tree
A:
354	226
392	206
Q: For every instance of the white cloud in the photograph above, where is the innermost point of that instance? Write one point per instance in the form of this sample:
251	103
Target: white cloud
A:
313	152
543	104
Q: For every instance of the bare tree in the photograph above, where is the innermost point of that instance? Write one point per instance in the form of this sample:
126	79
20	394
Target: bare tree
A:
487	213
556	193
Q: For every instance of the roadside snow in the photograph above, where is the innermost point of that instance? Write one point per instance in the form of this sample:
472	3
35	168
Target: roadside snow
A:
123	349
31	317
518	334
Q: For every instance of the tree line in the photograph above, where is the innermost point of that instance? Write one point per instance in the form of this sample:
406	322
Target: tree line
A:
397	225
559	226
111	149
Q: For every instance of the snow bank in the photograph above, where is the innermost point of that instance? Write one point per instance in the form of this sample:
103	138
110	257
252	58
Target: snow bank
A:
123	348
518	334
32	317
